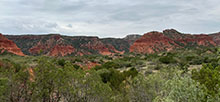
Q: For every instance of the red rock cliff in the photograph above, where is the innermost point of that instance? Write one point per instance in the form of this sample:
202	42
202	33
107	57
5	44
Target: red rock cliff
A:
153	42
169	40
61	50
101	48
10	46
54	46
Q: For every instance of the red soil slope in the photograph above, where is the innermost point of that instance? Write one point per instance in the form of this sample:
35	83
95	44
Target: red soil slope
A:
10	46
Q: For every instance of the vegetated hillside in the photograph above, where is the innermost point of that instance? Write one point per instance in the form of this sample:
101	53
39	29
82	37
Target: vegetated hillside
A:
171	39
190	75
58	45
9	46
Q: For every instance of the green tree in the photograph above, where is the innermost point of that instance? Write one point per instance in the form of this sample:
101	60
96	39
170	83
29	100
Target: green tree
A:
209	76
48	78
182	89
3	89
14	83
138	91
113	77
147	88
55	83
84	86
167	59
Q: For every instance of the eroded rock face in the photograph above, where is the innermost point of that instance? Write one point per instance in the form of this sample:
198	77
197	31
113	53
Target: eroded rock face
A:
204	40
57	45
61	50
9	46
45	45
153	42
54	46
101	48
39	48
188	39
216	38
169	40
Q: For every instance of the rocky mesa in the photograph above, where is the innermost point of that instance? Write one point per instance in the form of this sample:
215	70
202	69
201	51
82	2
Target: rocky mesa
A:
59	45
171	39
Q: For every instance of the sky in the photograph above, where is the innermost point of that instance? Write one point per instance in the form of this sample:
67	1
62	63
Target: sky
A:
108	18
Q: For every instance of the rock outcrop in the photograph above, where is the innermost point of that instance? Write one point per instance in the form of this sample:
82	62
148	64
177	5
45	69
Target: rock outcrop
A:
57	45
53	46
61	50
101	48
171	39
9	46
153	42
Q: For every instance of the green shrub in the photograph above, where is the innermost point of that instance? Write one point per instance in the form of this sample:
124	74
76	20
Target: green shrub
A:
150	56
158	67
131	73
113	77
111	64
61	62
209	76
76	66
167	59
190	58
181	89
4	89
197	61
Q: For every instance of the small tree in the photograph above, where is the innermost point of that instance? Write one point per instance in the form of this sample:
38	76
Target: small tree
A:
181	89
209	76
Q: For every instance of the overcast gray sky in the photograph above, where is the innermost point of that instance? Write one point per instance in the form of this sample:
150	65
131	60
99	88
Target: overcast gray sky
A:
108	18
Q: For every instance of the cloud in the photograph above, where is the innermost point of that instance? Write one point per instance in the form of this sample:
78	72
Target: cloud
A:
108	18
69	25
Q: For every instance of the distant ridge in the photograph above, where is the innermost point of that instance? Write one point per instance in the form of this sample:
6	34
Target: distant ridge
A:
62	45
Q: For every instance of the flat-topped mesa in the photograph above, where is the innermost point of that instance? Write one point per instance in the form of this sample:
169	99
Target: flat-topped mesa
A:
9	46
